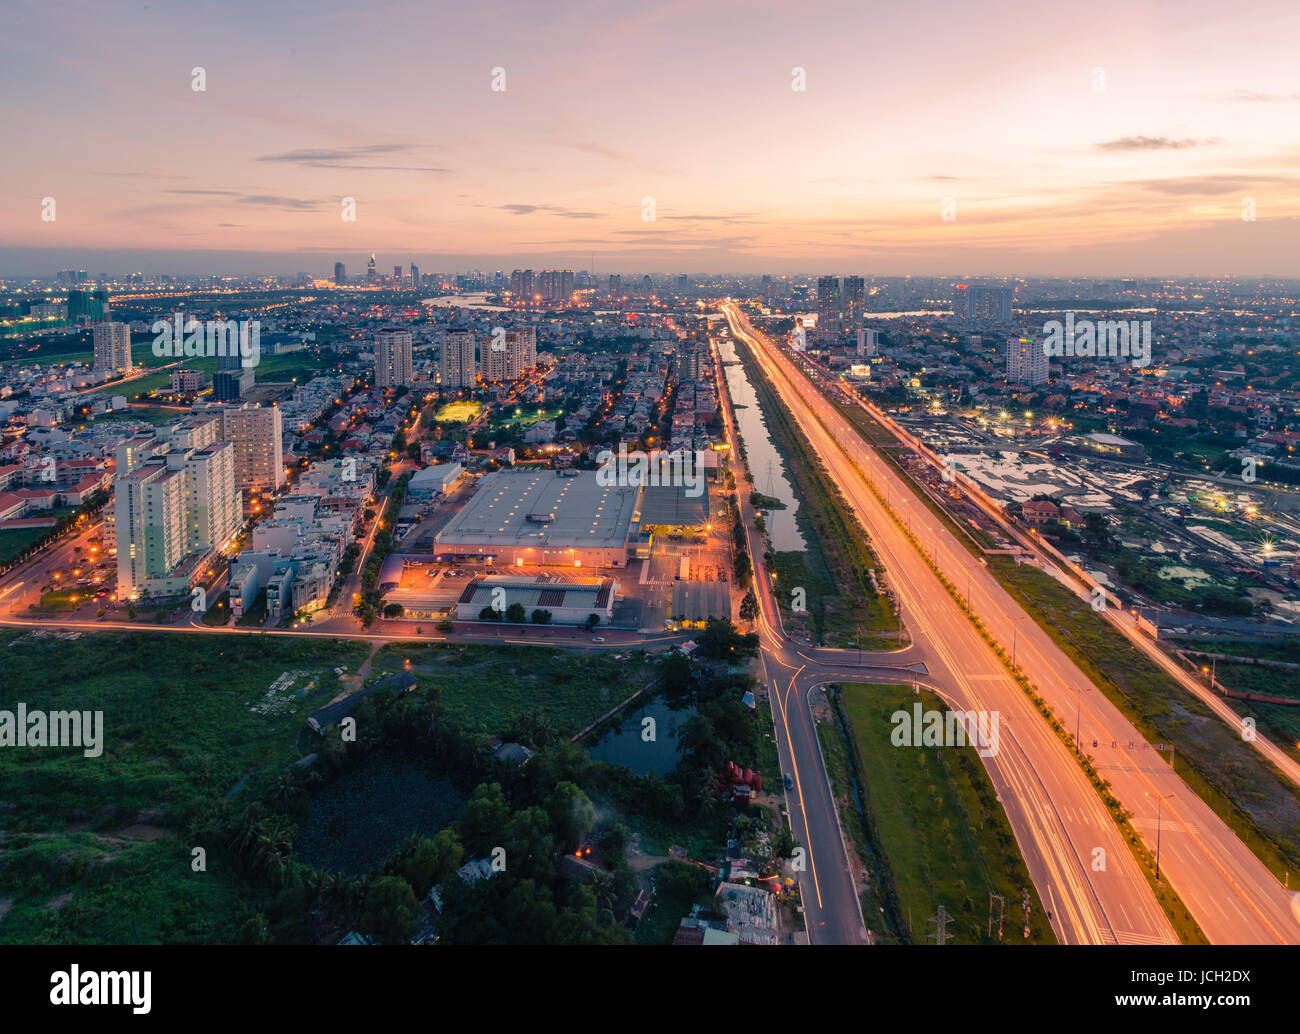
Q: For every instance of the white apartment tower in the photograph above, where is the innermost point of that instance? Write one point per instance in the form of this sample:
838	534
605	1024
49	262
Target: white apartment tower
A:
1026	362
213	502
393	358
458	366
112	347
149	507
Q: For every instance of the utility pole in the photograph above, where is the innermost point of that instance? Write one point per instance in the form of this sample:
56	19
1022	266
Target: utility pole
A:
941	922
1002	911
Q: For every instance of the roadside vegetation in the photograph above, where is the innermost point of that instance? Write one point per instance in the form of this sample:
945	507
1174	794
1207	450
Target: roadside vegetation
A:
843	602
933	829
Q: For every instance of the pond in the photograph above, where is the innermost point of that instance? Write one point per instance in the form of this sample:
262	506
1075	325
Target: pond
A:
358	820
624	744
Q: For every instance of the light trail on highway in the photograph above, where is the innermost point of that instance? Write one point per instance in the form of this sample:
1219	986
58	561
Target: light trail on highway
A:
1058	817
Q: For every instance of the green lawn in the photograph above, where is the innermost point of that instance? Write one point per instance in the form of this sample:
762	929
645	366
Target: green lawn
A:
12	543
458	412
946	838
491	687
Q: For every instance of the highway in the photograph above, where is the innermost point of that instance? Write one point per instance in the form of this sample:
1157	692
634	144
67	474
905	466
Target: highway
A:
1124	621
1058	817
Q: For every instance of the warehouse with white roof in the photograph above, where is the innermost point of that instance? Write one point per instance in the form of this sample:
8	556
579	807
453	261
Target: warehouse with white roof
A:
543	517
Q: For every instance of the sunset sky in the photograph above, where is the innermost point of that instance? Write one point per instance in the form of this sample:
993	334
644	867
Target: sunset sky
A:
687	102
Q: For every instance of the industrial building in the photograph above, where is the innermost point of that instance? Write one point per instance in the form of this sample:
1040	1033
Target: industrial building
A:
569	603
532	516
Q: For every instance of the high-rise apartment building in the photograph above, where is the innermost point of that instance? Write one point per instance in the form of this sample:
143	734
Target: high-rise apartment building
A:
112	347
868	342
415	275
556	286
170	506
986	304
510	356
521	286
1026	362
393	358
829	320
257	435
340	272
853	301
457	365
149	512
522	344
230	385
372	274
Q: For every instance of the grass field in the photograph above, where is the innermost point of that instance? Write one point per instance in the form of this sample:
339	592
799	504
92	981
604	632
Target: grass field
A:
178	721
88	848
91	888
458	412
946	838
12	543
491	687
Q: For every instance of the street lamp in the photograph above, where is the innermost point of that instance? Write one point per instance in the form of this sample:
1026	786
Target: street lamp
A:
1014	629
1078	707
1160	800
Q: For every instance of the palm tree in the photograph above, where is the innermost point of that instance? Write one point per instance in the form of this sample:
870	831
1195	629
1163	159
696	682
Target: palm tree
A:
287	790
602	887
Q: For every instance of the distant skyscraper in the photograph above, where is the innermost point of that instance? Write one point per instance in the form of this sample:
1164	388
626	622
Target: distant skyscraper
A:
556	286
415	275
457	364
340	272
397	273
987	304
393	358
853	301
521	286
112	347
371	272
1026	362
828	308
78	306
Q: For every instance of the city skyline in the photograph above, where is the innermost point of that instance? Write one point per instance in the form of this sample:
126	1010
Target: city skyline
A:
1075	150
